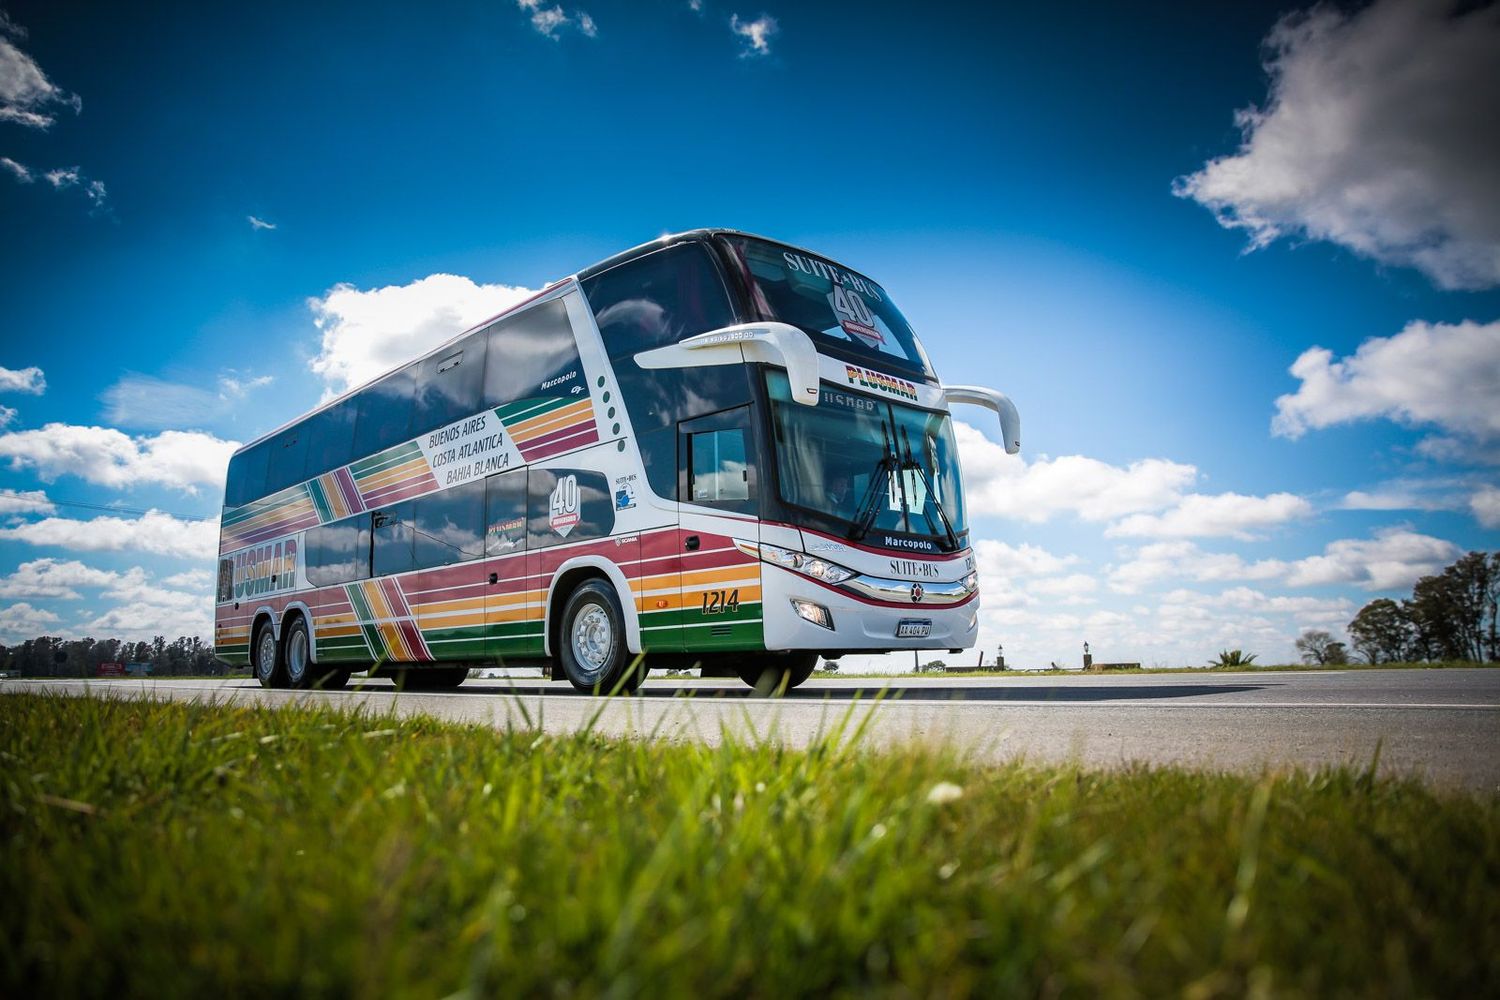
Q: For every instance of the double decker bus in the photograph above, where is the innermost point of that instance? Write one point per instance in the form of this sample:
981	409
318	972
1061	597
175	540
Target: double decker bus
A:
713	450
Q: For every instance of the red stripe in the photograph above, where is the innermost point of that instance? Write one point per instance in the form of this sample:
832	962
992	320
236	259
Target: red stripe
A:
559	441
400	491
413	637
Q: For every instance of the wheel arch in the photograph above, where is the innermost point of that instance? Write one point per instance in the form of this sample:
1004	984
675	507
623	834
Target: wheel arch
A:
568	577
296	608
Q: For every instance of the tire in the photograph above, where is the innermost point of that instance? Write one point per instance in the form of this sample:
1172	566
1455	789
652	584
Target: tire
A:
774	674
296	654
591	642
430	678
265	658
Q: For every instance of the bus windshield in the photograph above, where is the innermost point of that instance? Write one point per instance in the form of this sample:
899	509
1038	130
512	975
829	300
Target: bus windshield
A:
828	455
831	303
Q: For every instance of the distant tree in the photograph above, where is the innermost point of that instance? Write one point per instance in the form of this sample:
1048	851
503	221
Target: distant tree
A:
1233	658
932	666
1468	582
1382	632
1317	646
1492	600
830	666
1433	612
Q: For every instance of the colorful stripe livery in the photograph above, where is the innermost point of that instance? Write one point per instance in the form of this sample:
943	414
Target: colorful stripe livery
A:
546	426
389	626
540	427
704	600
279	514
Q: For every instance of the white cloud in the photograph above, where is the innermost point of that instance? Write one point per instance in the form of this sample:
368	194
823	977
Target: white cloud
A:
1378	134
137	620
256	223
27	97
153	532
1429	373
53	578
1183	560
1018	560
696	6
21	621
30	380
148	402
1393	560
180	459
28	502
64	178
1485	503
1227	514
755	34
551	21
200	580
19	171
368	332
1009	486
7	416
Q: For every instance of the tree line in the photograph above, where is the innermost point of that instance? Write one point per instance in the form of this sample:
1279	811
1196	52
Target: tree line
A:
1449	616
52	656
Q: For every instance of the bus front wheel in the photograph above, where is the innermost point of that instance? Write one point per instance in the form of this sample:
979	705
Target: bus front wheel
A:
591	642
773	674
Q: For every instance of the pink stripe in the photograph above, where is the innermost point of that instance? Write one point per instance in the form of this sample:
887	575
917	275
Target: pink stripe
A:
575	439
400	491
349	490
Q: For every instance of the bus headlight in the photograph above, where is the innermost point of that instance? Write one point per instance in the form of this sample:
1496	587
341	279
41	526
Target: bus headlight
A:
971	582
819	569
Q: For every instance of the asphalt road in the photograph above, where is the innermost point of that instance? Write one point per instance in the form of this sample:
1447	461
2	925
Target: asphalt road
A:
1442	725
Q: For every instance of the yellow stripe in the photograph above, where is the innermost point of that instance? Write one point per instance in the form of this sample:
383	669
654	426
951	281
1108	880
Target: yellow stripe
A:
537	426
393	475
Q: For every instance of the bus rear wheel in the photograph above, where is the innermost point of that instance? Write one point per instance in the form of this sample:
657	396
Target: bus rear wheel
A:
592	642
774	674
266	652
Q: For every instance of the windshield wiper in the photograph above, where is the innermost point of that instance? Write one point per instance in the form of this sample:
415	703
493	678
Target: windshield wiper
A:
910	462
869	506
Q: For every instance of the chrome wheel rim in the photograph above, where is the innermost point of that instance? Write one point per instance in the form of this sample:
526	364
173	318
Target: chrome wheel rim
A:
296	656
265	654
593	639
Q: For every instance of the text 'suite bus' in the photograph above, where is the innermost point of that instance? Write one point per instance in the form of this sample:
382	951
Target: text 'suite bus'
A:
713	450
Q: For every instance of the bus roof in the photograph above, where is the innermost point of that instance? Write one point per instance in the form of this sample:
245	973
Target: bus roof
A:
640	250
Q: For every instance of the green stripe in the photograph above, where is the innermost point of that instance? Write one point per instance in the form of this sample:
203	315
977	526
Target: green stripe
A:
385	459
320	501
524	409
690	617
285	498
371	633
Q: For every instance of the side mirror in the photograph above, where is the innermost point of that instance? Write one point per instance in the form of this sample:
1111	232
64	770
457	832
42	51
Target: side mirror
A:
779	344
1010	420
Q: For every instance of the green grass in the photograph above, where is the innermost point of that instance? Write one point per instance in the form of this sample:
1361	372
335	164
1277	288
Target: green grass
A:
173	849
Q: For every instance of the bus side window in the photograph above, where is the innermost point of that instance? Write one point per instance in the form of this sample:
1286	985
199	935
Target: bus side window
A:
505	517
288	452
339	552
384	413
528	349
226	581
330	435
449	526
649	302
247	476
392	538
449	385
718	469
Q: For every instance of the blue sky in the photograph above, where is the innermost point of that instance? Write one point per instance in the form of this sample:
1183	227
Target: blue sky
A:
1045	191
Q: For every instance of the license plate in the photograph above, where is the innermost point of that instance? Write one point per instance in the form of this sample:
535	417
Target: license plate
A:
914	628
